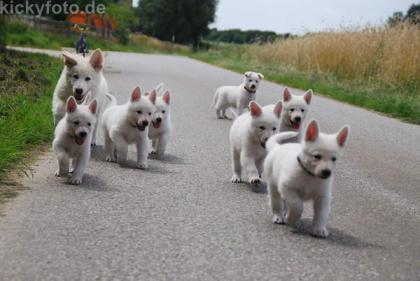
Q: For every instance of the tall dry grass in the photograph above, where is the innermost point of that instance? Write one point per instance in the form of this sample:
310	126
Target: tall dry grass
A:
390	55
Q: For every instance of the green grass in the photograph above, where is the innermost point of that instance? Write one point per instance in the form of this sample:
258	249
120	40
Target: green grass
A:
26	85
402	103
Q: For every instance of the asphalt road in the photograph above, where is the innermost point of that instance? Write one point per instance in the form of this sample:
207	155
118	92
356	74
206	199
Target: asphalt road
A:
183	220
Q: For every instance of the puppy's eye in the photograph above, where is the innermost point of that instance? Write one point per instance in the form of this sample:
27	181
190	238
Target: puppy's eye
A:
75	76
292	109
262	128
163	111
76	123
256	81
303	110
334	159
87	79
318	157
89	124
274	128
139	112
150	113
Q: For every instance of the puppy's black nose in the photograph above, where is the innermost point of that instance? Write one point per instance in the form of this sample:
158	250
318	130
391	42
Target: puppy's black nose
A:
253	86
326	173
158	119
145	123
298	118
79	91
83	134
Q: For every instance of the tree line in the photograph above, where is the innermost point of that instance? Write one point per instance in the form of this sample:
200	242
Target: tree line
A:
244	37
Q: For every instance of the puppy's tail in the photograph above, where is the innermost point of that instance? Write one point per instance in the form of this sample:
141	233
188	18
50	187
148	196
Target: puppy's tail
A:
275	140
112	100
216	95
234	113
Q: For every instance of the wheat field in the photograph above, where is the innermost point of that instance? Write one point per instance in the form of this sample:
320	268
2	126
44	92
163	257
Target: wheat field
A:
386	55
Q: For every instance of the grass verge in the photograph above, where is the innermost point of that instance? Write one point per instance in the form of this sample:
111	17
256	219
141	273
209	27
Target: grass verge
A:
20	34
26	85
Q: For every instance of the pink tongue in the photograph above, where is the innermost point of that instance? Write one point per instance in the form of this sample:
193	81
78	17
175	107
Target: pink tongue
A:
156	125
80	141
295	125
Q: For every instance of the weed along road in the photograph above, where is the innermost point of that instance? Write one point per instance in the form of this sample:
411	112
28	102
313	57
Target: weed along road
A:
182	219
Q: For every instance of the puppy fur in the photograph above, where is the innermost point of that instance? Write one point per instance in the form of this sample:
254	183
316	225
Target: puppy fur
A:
295	110
248	135
72	139
161	129
128	124
80	76
298	172
237	96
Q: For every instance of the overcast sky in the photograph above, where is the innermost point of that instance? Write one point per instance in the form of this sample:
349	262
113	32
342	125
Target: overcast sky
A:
300	16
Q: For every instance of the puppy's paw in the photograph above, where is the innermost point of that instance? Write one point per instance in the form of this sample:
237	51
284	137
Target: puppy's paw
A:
277	219
75	180
109	158
254	180
142	166
61	175
320	232
236	179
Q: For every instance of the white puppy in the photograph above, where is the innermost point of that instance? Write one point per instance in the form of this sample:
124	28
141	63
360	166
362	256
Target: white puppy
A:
128	124
72	139
295	110
248	135
299	172
237	96
161	129
80	76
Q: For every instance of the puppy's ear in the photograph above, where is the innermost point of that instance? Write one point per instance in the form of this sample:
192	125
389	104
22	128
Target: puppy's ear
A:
312	131
308	96
260	76
97	60
152	96
68	60
71	104
278	108
255	109
93	106
136	94
247	74
166	97
343	135
286	95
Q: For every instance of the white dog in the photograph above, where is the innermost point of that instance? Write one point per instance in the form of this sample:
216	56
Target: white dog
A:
79	77
72	139
295	110
161	129
238	97
128	124
248	135
299	172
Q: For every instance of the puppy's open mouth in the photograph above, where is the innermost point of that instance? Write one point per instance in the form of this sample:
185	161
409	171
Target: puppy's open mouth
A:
295	124
156	124
141	127
80	140
79	97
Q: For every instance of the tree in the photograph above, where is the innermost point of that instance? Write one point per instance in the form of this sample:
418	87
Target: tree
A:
396	18
182	21
413	14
